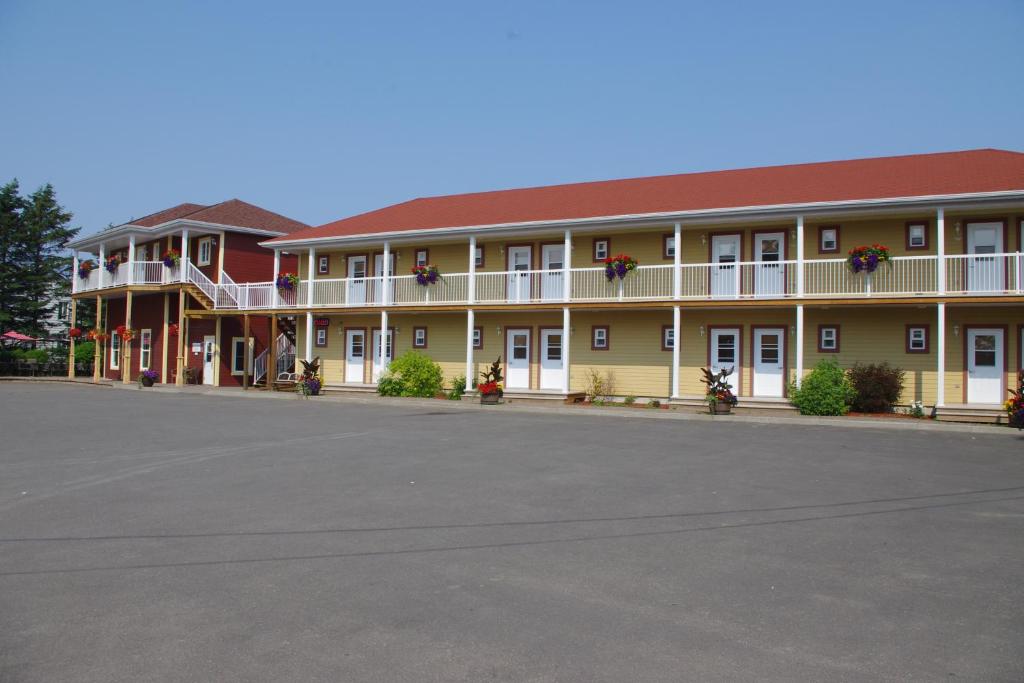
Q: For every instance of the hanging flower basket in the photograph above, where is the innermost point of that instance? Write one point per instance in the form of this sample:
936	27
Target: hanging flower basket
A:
619	266
75	332
171	258
172	330
97	335
125	333
865	259
112	263
426	275
287	282
84	268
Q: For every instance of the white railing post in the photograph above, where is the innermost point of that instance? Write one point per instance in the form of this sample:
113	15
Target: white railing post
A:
310	272
800	256
386	282
940	370
131	259
470	367
471	284
74	272
184	256
103	265
677	262
567	282
676	320
940	249
799	344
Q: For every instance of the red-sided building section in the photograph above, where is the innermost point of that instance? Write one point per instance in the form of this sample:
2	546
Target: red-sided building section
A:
147	314
246	261
231	329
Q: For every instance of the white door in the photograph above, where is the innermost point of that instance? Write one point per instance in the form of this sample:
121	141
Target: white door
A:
552	367
553	280
769	353
381	360
519	261
725	274
517	373
725	354
356	280
769	273
985	273
379	275
355	354
209	358
985	366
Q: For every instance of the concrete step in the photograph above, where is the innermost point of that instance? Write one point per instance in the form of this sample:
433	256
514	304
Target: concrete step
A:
965	412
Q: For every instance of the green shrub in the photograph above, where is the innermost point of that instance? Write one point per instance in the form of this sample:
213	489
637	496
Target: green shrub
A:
630	400
411	374
458	388
825	391
84	351
878	387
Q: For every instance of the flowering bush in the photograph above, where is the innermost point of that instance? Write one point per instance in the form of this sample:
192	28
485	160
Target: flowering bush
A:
75	332
125	333
866	258
310	386
171	258
84	268
112	263
488	388
287	282
491	380
618	266
426	275
1015	404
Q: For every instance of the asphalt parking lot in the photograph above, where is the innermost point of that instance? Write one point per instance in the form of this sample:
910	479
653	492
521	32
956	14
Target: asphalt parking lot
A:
168	537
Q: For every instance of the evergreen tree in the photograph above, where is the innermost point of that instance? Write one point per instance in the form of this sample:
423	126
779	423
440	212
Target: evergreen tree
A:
11	207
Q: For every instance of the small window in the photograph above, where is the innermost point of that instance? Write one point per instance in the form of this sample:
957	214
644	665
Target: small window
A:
422	257
205	249
419	337
601	249
478	337
323	265
917	235
321	336
599	339
520	346
141	253
828	242
554	350
669	246
917	339
115	351
668	338
145	348
828	339
478	256
238	355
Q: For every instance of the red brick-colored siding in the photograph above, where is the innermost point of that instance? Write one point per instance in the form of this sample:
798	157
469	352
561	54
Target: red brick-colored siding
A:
246	261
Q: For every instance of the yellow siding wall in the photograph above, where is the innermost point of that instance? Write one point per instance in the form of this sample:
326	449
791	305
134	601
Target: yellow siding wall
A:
1011	317
635	360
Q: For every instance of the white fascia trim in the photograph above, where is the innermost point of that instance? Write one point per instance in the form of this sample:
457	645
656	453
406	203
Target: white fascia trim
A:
767	211
163	229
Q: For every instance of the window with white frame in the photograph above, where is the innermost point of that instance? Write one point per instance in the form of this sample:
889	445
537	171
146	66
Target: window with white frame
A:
419	337
478	257
238	352
829	241
323	265
669	246
917	236
917	339
828	339
668	338
205	250
601	249
115	351
599	340
140	253
421	257
478	337
145	348
321	336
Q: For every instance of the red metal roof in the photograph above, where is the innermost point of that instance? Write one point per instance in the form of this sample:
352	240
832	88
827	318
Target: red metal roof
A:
231	212
982	170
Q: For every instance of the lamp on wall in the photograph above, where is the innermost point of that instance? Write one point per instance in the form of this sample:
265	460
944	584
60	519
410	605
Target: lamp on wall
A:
956	231
702	330
704	239
499	330
956	330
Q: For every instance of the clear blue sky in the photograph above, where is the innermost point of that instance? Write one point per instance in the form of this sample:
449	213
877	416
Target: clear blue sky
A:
320	110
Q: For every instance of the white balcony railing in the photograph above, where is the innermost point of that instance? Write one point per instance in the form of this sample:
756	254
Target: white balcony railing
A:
904	276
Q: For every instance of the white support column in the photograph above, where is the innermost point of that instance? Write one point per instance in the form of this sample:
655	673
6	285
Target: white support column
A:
470	365
310	273
940	371
184	256
800	256
940	250
277	264
103	264
384	339
471	285
74	272
677	273
799	344
676	320
309	336
386	281
566	335
131	259
567	279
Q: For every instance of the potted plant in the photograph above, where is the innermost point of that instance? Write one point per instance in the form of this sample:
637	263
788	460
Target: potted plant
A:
112	263
310	383
426	275
719	396
490	388
865	259
84	268
147	377
171	258
1015	404
619	266
172	330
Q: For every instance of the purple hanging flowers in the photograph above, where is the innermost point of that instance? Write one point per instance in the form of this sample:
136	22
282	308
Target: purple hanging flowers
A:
866	258
426	275
618	266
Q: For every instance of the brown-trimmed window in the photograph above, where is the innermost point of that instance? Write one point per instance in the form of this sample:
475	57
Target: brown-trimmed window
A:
828	239
668	246
321	336
668	337
419	337
600	340
917	235
828	338
478	256
323	265
422	257
602	249
917	338
478	337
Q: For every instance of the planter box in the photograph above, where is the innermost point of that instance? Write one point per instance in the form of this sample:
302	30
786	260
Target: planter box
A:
490	399
146	382
720	408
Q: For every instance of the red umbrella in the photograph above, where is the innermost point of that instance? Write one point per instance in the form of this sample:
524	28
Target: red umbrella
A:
18	336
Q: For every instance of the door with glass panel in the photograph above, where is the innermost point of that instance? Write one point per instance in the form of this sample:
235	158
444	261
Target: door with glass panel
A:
552	364
517	353
379	277
519	263
769	271
209	358
382	354
985	367
769	355
725	272
985	273
553	280
356	280
725	354
355	356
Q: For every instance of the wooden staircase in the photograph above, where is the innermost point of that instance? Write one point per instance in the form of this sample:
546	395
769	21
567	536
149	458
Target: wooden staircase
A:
199	295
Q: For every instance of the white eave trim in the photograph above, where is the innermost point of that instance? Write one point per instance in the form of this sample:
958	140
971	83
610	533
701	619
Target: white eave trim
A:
766	211
164	229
